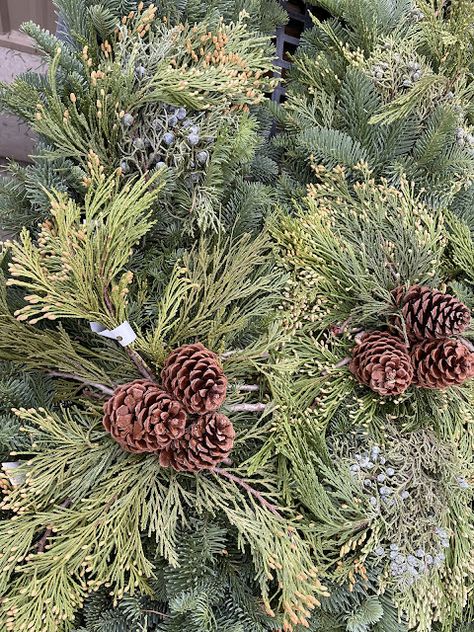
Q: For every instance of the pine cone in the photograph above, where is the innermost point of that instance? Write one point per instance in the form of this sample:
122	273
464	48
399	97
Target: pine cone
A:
142	417
194	376
382	363
206	443
441	363
429	314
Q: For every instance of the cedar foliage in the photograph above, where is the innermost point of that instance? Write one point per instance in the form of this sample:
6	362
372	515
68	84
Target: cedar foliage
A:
373	491
375	190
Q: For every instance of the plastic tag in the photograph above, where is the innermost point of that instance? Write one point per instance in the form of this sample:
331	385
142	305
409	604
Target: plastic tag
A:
123	334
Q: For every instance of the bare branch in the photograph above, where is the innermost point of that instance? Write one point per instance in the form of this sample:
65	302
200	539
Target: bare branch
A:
77	378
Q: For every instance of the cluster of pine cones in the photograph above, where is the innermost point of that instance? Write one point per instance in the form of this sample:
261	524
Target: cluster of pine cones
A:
433	358
178	420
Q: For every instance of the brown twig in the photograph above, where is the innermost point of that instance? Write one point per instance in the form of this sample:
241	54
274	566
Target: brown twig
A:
160	614
247	408
358	337
134	356
77	378
338	365
41	544
248	388
227	354
140	363
251	490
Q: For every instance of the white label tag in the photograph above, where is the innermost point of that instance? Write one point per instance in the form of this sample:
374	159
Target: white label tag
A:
15	479
123	334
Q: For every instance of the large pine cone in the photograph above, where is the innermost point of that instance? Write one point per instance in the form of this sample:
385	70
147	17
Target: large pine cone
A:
382	363
194	376
441	363
142	417
429	314
206	444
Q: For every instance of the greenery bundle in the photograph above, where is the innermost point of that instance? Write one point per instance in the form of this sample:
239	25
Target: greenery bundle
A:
276	325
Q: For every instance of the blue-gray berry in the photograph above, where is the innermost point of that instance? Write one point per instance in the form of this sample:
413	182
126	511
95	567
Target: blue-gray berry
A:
193	139
168	138
463	484
390	471
381	478
181	113
124	166
404	495
160	164
127	119
139	143
379	551
202	158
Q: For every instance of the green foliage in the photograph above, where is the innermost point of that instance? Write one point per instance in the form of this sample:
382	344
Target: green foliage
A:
351	243
74	468
370	84
118	97
81	252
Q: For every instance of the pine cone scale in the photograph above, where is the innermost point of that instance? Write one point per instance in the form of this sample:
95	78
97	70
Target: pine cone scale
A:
382	363
429	314
206	444
442	363
142	417
194	376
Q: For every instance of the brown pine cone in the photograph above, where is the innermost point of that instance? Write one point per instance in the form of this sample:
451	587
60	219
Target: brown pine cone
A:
194	376
142	417
206	444
382	363
429	314
441	363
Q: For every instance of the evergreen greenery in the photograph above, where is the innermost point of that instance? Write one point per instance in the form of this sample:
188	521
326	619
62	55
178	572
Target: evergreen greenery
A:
159	195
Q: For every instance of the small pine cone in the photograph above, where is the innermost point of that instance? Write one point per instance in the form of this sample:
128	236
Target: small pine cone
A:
142	417
194	376
206	444
441	363
382	363
429	314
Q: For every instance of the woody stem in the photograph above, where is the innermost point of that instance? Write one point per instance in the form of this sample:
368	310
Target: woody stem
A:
77	378
247	408
134	356
248	488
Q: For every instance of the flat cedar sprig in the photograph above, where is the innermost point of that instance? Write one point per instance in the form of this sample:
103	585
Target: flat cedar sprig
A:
81	253
91	544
